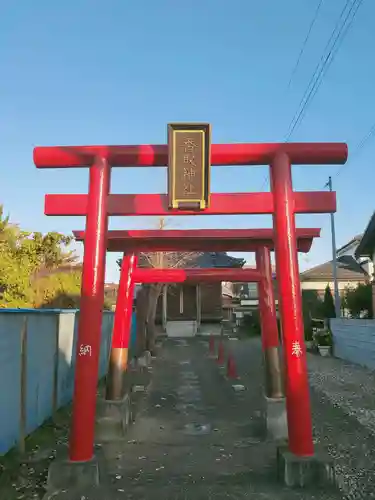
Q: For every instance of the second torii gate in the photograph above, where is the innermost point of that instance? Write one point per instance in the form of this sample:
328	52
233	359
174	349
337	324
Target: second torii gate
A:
246	240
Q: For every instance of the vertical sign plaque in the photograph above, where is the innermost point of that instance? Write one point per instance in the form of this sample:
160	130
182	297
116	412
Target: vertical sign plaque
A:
189	155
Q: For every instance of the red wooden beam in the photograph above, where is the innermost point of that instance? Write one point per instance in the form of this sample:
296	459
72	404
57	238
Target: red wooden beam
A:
196	275
199	240
221	154
221	204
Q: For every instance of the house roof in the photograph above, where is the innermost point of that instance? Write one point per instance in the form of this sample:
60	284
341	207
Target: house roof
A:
71	267
347	270
355	239
366	246
217	259
110	286
202	260
351	264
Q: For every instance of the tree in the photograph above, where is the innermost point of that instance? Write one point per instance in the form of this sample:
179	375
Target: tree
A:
27	257
328	304
312	307
359	301
7	230
151	293
60	290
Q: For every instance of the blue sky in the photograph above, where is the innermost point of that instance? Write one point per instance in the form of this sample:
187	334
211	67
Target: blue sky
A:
116	72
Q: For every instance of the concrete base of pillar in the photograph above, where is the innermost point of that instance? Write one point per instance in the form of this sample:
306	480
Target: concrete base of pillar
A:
305	472
276	420
141	378
112	419
144	361
64	475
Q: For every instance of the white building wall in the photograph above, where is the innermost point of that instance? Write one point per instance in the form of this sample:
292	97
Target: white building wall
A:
321	285
354	340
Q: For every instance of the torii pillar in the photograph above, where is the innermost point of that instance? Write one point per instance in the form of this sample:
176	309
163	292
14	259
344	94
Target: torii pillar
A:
276	421
268	320
90	320
118	362
290	305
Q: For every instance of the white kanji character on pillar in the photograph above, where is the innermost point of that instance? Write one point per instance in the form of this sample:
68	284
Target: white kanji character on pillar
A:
296	349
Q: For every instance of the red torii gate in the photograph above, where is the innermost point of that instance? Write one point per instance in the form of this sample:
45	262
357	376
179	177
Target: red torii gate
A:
282	203
259	240
246	240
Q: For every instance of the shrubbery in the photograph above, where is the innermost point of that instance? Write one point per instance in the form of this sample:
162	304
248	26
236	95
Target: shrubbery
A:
36	270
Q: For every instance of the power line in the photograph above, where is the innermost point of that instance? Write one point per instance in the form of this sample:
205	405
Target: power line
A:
264	183
296	66
334	43
312	23
360	146
330	51
362	143
308	95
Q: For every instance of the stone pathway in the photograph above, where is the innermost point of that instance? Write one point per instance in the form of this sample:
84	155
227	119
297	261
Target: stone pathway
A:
195	437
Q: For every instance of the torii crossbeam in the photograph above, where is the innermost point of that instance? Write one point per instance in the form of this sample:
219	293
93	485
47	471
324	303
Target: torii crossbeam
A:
318	202
193	275
199	240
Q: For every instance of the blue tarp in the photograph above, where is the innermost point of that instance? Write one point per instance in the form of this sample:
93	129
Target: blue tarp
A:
133	331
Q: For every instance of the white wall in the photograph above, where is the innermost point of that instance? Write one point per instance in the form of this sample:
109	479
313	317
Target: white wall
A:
321	285
354	340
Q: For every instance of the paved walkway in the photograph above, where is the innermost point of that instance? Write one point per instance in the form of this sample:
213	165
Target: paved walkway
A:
195	436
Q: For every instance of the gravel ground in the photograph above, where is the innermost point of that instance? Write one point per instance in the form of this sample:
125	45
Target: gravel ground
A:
343	405
343	399
195	437
347	386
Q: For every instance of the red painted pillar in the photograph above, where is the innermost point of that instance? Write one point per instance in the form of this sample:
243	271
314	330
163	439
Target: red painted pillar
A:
268	321
90	320
270	334
290	306
118	363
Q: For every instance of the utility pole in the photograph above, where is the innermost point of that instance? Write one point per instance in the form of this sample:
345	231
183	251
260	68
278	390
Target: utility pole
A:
334	260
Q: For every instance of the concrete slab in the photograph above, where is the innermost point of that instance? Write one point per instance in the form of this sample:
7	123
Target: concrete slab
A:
67	475
180	329
112	419
92	493
305	472
276	419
